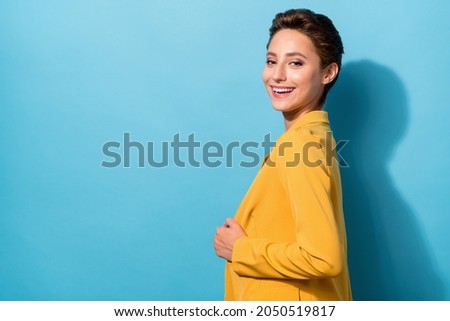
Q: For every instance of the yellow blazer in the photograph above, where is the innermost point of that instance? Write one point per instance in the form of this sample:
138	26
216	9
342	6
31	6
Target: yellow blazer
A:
296	247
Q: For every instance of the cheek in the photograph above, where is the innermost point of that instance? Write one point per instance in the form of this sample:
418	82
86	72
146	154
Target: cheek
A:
297	77
265	75
306	79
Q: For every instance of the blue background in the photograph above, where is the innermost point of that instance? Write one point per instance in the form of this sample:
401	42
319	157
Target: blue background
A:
77	74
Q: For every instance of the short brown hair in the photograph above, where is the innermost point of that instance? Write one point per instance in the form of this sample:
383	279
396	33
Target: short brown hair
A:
320	29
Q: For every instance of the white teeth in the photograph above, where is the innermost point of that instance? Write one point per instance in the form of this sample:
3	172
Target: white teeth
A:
282	90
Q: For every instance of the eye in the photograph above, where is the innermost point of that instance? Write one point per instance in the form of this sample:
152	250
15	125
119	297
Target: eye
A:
270	62
296	63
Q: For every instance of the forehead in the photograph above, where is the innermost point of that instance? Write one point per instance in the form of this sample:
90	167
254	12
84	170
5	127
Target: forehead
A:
289	40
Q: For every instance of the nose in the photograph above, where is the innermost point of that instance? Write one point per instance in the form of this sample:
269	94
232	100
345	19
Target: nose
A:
279	73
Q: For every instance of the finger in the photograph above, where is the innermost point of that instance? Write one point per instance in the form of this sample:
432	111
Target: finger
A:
218	240
230	222
220	230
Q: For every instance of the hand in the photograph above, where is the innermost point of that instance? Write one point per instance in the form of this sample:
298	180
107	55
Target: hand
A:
226	236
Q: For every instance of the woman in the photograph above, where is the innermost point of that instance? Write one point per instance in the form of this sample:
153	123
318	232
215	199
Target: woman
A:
288	240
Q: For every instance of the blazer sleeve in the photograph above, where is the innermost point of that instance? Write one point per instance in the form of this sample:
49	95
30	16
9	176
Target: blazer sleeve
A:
317	250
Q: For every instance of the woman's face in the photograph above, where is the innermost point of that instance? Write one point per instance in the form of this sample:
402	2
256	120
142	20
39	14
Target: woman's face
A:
293	75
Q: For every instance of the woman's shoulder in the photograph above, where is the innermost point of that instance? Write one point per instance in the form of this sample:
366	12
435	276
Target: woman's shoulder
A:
306	142
313	126
299	136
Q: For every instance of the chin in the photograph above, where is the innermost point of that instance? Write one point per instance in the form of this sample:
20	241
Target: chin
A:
277	107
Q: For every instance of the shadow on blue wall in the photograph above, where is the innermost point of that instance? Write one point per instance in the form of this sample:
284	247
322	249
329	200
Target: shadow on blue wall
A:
388	254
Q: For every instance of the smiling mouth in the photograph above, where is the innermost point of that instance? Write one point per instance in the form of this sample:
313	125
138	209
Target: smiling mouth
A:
280	92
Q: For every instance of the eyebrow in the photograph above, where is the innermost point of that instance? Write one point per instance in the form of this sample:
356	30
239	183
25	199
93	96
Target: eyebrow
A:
289	54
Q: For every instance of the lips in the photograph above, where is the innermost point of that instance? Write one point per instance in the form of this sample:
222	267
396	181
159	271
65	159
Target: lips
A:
281	92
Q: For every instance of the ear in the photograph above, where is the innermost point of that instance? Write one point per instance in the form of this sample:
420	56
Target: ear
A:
329	73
